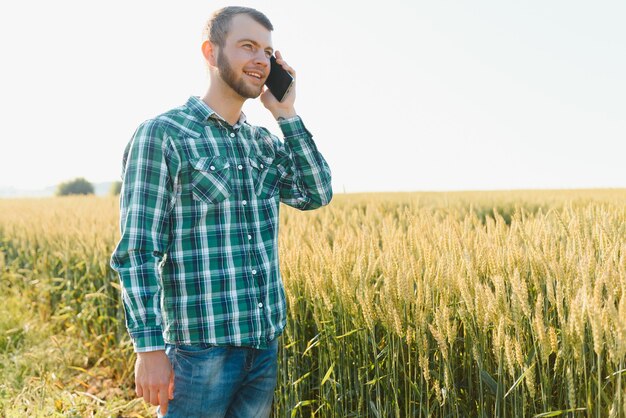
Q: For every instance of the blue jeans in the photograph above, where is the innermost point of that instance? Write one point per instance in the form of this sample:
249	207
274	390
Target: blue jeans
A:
215	381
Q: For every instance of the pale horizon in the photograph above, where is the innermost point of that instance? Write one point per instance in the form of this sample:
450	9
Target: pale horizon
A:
399	96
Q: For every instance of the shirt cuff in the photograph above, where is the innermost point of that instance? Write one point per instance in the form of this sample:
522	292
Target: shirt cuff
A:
293	128
148	339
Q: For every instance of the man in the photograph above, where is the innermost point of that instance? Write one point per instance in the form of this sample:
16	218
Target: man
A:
198	255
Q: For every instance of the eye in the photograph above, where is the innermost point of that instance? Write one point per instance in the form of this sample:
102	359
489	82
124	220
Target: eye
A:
248	46
268	54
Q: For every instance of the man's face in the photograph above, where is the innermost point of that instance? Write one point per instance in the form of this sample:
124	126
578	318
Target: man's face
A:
243	62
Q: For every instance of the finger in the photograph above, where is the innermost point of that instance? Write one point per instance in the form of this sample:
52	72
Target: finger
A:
154	396
280	60
171	385
163	400
146	395
287	68
138	390
290	70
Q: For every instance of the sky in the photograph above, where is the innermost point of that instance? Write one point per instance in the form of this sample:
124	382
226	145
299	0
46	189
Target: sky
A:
399	95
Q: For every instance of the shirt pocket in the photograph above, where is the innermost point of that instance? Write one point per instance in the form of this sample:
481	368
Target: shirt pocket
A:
211	179
265	175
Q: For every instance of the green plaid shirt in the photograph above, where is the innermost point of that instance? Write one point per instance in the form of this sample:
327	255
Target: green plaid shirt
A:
198	254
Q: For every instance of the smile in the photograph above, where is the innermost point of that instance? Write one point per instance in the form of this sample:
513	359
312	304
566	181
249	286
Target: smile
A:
254	74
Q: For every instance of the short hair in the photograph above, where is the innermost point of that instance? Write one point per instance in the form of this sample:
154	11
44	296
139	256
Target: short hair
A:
216	28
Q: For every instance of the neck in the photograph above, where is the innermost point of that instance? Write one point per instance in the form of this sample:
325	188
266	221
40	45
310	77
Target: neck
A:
224	101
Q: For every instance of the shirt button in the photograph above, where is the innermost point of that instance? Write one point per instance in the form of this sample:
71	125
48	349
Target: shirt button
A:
261	165
249	236
232	134
240	167
253	271
260	305
244	203
212	167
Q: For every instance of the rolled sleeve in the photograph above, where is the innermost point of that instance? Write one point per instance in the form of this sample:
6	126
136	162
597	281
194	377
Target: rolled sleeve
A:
306	181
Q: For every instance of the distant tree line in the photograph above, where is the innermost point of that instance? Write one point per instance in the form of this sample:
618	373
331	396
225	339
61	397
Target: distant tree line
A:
77	186
80	186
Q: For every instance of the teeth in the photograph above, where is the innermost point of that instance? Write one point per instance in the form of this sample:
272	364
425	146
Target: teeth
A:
257	75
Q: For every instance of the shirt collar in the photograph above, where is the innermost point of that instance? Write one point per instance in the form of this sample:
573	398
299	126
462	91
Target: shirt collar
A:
202	111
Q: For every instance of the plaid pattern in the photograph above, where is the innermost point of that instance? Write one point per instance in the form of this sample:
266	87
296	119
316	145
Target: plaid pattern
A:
198	254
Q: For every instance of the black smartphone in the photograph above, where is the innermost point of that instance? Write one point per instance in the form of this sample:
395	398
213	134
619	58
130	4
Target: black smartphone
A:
279	80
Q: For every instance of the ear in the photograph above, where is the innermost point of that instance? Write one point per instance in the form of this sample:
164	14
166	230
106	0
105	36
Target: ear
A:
210	53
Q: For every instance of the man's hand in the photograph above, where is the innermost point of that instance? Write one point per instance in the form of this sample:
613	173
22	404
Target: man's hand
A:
154	378
285	108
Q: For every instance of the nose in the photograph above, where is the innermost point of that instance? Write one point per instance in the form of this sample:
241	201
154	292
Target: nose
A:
262	59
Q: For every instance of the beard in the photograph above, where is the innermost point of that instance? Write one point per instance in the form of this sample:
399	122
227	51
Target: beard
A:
238	84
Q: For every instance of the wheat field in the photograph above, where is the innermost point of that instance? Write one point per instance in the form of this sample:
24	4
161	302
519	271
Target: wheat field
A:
473	304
